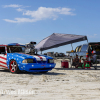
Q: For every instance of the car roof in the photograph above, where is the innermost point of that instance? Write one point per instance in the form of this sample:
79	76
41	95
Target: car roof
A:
13	44
2	45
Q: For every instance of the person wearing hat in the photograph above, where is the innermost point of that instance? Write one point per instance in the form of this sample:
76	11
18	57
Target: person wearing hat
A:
93	57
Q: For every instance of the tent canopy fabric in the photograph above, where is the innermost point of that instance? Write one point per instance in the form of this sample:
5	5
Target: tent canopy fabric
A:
57	39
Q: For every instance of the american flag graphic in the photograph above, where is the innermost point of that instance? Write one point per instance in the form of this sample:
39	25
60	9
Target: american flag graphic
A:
3	61
40	58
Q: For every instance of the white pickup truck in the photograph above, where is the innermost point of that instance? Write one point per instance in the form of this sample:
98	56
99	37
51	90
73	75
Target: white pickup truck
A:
84	50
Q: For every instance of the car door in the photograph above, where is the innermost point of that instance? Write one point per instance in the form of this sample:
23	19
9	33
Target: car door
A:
3	57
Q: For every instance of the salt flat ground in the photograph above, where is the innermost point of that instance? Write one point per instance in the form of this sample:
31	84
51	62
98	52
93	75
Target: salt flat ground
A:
58	84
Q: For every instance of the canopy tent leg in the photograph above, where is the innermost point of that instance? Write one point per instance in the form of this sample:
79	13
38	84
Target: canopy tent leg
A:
41	52
87	40
71	46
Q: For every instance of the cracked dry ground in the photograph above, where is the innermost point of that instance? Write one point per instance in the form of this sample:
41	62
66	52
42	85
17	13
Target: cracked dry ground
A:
58	84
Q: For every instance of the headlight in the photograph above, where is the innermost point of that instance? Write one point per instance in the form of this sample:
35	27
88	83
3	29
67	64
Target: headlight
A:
50	61
27	61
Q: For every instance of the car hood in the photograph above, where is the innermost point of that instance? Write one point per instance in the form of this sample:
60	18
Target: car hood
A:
27	56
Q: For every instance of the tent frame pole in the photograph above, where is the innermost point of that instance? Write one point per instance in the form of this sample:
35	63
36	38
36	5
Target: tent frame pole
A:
87	40
71	46
41	51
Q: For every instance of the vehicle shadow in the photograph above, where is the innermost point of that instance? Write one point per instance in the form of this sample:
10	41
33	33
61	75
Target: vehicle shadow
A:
3	70
31	73
48	73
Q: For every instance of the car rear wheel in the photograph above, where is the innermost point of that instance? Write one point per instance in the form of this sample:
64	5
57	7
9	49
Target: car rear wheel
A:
13	67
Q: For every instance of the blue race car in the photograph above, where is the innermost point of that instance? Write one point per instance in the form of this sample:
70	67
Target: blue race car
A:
12	57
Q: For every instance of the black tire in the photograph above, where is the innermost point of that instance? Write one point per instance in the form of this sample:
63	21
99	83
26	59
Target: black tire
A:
13	67
95	68
63	66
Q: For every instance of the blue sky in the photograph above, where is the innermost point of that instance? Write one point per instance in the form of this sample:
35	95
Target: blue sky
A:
23	21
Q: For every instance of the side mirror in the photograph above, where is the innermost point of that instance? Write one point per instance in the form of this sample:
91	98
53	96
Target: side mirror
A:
72	50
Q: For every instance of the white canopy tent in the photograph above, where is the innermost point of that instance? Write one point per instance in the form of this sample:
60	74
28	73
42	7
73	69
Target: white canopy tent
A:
56	40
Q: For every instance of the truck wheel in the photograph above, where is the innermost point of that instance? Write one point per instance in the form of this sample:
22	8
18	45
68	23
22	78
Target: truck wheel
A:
95	68
13	67
62	66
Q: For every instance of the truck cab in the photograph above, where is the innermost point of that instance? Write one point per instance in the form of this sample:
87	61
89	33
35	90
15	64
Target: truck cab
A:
76	51
85	50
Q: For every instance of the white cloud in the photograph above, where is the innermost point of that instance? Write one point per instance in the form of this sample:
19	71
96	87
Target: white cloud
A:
19	20
92	36
95	34
26	6
42	13
19	9
12	5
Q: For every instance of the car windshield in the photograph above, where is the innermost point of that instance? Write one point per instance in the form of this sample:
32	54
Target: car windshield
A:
13	49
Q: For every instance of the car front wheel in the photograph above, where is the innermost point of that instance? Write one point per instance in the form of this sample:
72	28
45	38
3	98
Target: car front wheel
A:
13	67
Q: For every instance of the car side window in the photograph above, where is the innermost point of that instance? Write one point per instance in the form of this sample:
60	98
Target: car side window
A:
79	48
76	50
8	50
84	47
2	50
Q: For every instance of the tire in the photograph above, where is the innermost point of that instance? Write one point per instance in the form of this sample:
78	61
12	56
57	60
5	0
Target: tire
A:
95	68
63	66
13	67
